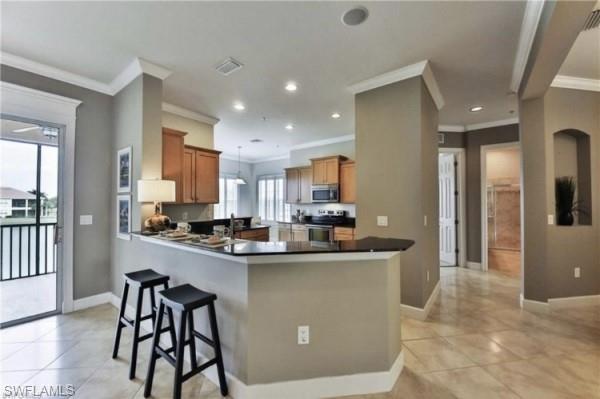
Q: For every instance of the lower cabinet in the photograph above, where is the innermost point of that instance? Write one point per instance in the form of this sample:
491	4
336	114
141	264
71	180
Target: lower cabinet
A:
261	234
343	233
292	232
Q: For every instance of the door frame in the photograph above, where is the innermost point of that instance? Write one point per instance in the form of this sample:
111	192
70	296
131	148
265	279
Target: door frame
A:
483	191
461	186
23	102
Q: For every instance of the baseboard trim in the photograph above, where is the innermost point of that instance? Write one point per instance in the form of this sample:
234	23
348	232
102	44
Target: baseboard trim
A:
421	313
573	301
91	301
474	265
533	306
355	384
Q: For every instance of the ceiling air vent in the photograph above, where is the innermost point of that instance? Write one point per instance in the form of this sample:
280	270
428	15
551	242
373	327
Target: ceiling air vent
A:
229	66
593	20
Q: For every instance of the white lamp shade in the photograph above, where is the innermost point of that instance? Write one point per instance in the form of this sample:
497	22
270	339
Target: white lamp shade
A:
156	190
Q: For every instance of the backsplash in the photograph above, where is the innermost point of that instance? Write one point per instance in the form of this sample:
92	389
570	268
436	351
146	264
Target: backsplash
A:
186	212
312	209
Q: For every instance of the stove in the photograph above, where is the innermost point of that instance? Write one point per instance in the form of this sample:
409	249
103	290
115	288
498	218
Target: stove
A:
329	217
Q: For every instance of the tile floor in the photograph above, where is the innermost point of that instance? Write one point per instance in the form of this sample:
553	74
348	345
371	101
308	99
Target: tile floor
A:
477	343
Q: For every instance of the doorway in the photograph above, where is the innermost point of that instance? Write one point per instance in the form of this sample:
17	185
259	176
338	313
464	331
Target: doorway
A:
29	215
501	209
452	231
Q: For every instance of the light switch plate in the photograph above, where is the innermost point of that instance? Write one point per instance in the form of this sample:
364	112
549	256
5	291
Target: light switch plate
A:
85	219
303	335
382	221
577	272
551	219
425	220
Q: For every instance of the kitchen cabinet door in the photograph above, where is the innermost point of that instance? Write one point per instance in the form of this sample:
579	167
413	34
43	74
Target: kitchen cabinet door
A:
207	177
189	176
292	186
319	169
332	171
172	159
348	182
305	185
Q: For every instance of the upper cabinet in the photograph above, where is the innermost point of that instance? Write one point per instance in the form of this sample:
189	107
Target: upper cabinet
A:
298	183
348	182
195	170
326	170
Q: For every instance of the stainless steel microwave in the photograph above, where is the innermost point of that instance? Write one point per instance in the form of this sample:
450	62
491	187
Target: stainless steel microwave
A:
325	193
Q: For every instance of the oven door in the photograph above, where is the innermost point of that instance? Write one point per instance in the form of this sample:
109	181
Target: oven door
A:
320	233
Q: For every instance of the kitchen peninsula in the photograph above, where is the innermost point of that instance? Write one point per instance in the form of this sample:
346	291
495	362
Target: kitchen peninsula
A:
346	293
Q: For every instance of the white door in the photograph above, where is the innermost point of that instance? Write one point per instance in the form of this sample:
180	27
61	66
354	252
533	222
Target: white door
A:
447	182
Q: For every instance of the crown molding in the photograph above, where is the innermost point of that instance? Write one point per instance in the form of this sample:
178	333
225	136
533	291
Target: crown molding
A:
54	73
450	128
572	82
531	20
232	157
137	67
485	125
186	113
421	68
318	143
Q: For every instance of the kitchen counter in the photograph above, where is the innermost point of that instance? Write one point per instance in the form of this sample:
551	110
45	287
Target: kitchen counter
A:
350	223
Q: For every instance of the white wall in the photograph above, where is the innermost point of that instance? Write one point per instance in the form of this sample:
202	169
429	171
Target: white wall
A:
503	164
247	193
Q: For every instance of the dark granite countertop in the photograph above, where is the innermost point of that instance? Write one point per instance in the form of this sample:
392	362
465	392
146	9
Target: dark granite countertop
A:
351	223
257	248
255	227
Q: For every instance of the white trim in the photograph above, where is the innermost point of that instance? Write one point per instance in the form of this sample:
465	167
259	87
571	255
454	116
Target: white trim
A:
572	301
461	186
483	192
450	128
572	82
354	384
531	19
421	68
38	105
421	313
137	67
474	265
186	113
232	157
91	301
485	125
54	73
318	143
533	306
275	158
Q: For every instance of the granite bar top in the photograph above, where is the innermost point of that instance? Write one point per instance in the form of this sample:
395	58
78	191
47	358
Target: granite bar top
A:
257	248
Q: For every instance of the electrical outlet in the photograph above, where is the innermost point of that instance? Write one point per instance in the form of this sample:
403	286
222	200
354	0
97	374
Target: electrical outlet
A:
382	221
85	219
425	220
303	335
577	272
550	219
427	275
184	216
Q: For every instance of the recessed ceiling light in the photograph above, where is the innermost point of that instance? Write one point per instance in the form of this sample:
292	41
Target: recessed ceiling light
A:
355	16
289	126
476	108
335	115
291	86
239	106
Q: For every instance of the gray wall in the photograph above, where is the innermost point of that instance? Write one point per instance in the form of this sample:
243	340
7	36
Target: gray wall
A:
247	193
474	140
453	140
396	164
93	179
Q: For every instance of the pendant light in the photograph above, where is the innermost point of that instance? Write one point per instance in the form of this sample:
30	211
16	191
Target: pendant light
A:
239	179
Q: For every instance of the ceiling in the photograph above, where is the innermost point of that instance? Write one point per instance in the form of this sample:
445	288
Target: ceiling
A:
583	60
471	46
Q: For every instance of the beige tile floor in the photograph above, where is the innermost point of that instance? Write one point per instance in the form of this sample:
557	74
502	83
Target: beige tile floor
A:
477	343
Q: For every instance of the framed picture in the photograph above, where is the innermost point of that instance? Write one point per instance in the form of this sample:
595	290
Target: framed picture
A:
124	170
124	217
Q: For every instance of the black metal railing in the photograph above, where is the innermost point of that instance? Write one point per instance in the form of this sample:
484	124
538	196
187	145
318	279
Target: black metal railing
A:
20	254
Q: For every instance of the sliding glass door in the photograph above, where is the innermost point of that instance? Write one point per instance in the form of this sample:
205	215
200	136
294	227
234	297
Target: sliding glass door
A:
29	216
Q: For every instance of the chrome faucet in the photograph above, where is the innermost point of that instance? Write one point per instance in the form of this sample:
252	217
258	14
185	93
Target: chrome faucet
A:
231	226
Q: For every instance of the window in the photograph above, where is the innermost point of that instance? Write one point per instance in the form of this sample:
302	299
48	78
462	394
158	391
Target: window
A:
228	198
271	199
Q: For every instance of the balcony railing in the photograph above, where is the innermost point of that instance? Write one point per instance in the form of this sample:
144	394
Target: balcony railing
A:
18	250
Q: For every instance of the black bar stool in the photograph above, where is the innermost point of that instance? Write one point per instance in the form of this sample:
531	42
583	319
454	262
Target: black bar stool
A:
142	279
184	299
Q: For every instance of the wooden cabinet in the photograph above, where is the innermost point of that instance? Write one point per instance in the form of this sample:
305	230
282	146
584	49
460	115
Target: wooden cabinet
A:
261	234
172	159
298	182
195	170
343	233
326	170
284	232
299	232
348	182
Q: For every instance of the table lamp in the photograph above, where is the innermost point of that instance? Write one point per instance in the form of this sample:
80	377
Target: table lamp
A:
156	191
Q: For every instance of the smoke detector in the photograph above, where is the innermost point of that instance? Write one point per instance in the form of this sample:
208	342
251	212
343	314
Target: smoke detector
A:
593	20
256	141
229	66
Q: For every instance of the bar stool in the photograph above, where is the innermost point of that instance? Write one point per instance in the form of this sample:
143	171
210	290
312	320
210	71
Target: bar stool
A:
142	279
185	299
